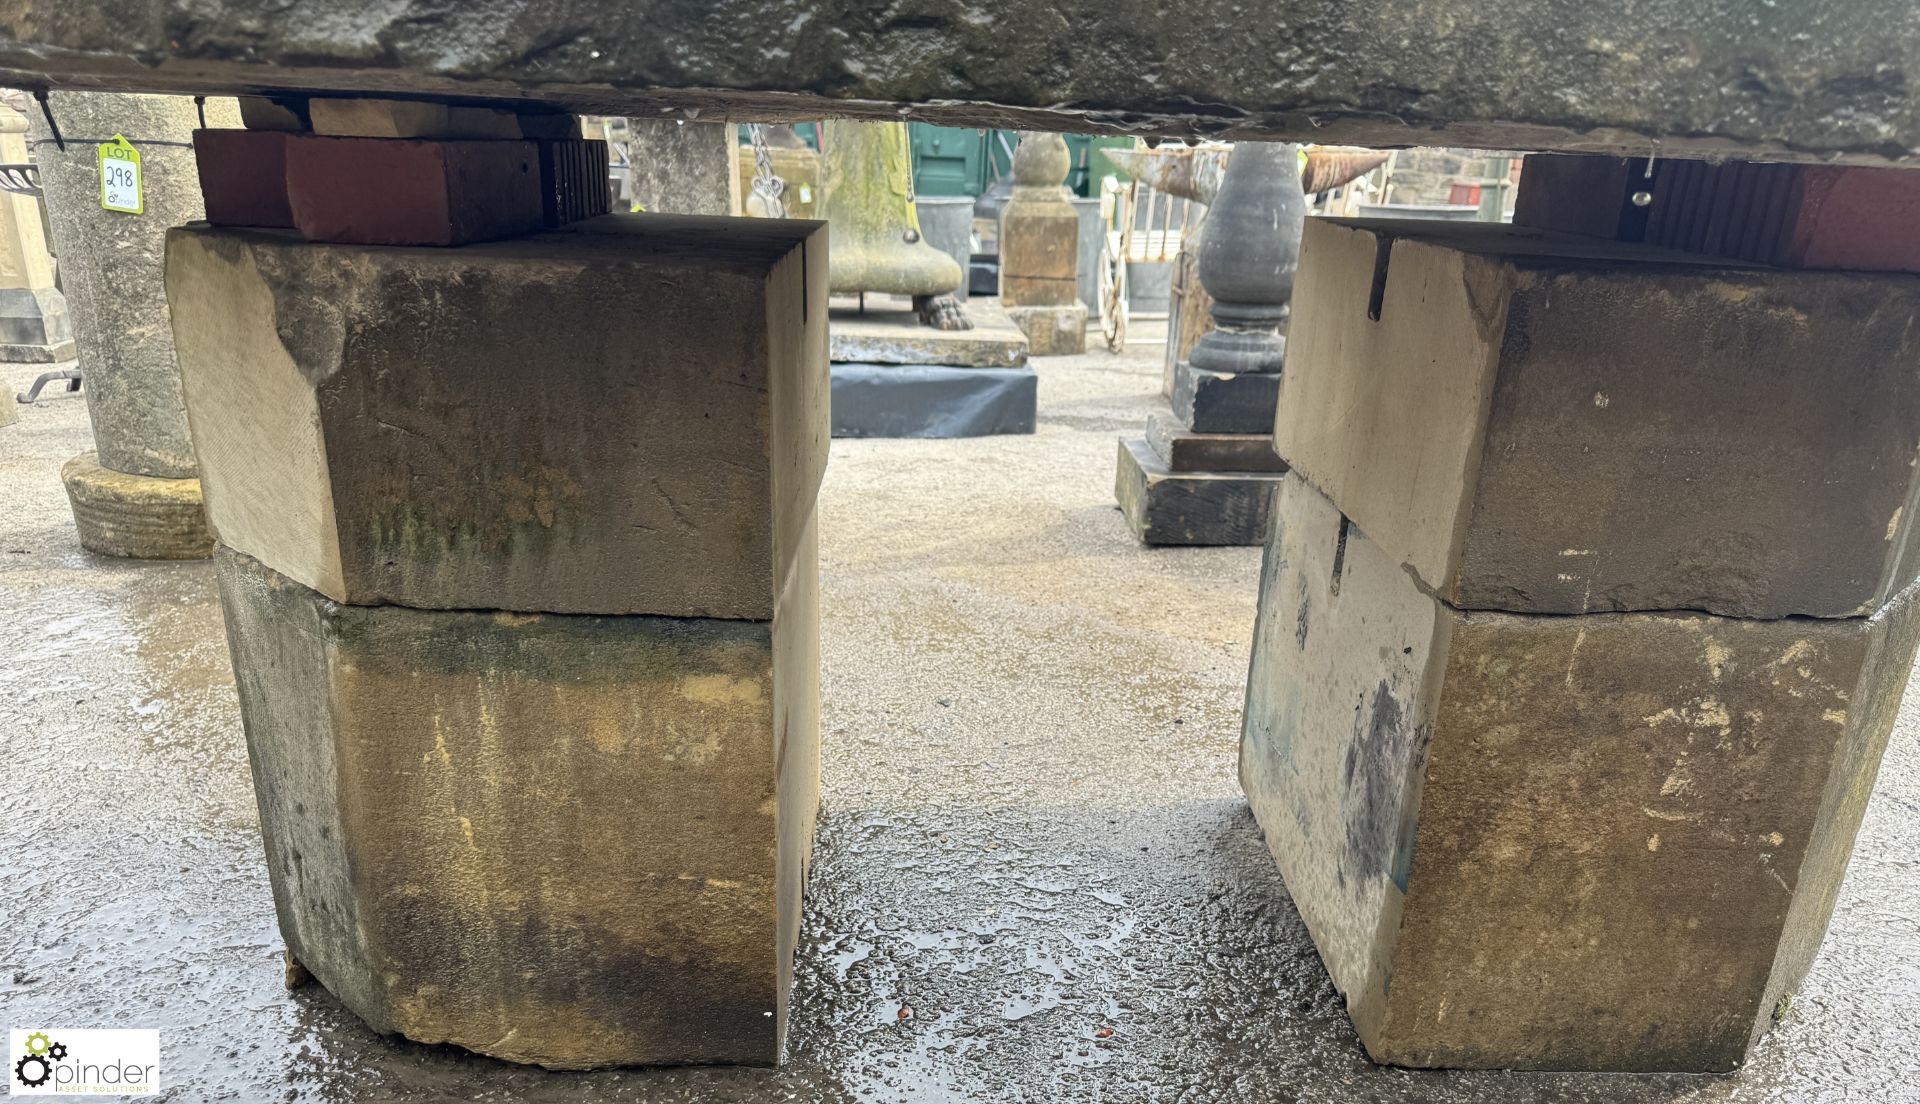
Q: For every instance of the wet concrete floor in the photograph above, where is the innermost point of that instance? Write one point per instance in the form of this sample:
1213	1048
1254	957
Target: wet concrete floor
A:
1036	878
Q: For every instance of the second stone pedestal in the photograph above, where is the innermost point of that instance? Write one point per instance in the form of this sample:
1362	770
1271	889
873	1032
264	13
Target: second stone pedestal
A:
1586	613
1601	842
526	636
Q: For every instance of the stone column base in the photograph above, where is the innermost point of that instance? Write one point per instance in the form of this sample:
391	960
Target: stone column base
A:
139	517
1053	331
34	326
1164	506
571	840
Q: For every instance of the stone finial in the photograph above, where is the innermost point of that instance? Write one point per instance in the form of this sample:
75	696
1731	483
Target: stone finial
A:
1040	166
1247	257
1039	249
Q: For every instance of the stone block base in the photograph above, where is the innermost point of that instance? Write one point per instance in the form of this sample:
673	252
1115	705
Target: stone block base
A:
1472	401
896	400
35	327
570	840
1224	402
137	517
1183	450
1597	842
37	354
1191	508
355	466
1053	331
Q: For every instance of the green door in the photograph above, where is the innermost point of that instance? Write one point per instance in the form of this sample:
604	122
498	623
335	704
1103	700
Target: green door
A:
964	161
1090	164
947	161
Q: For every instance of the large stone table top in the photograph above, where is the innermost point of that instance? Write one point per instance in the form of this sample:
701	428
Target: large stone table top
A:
1792	79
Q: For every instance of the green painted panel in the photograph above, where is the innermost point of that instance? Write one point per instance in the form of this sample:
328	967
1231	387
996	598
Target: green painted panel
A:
947	161
964	161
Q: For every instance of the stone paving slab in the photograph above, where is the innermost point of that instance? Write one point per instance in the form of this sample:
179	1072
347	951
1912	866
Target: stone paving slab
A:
887	332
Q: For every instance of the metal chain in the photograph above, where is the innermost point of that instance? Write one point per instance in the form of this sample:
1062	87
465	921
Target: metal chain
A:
766	183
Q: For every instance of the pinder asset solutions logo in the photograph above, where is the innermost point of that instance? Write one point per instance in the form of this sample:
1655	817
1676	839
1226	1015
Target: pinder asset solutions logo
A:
124	1062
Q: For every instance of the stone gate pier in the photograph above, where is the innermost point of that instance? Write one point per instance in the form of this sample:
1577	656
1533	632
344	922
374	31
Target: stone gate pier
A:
523	612
1587	608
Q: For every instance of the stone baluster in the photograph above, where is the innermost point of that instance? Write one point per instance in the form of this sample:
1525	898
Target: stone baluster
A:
1205	473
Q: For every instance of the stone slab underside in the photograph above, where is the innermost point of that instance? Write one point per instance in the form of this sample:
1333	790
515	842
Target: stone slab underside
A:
1795	81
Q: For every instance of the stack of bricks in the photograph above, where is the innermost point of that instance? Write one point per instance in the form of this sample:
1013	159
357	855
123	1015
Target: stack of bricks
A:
517	554
399	172
1858	217
1586	613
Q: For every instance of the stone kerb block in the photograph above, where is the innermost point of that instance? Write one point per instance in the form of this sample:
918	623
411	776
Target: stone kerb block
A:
576	841
1052	331
1472	400
1609	842
625	416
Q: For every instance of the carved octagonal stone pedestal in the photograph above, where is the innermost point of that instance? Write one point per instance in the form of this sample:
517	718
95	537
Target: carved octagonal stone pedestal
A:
526	634
1585	617
562	839
1607	842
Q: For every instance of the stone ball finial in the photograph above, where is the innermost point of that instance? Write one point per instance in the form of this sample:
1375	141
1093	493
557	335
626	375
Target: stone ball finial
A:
1041	161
